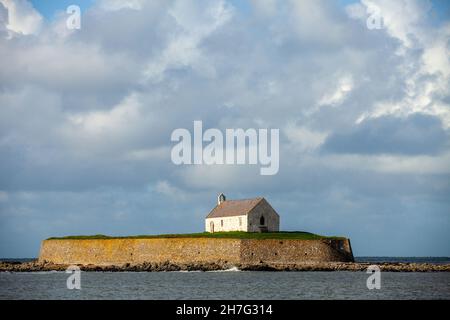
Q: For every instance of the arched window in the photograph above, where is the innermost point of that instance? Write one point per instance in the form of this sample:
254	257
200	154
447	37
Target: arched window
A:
261	220
221	223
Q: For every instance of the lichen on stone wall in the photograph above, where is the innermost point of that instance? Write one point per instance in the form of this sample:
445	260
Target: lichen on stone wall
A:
193	250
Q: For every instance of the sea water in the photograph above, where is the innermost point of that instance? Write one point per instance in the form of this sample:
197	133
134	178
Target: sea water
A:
232	284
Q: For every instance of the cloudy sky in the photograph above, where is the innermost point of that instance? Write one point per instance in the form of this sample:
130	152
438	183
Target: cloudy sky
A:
364	117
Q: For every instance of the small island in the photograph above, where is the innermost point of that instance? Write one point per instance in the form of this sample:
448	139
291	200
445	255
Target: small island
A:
237	232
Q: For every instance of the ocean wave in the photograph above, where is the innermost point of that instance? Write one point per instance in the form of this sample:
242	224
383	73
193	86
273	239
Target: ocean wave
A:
232	269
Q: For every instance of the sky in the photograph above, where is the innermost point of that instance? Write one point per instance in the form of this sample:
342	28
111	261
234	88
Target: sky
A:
86	118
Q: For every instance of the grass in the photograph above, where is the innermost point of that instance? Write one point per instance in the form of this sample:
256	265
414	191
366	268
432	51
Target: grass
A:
295	235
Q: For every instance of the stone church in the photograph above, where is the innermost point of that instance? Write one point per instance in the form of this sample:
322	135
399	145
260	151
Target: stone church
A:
250	215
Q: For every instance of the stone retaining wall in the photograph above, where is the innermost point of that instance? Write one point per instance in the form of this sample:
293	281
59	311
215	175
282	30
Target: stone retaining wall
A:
193	250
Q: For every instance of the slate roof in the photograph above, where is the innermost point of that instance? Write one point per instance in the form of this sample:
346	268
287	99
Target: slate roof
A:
231	208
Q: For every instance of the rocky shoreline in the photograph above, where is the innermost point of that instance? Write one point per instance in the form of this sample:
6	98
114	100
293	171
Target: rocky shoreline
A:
36	266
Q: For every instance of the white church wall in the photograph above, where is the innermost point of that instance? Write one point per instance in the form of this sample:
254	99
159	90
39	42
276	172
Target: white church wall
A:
235	223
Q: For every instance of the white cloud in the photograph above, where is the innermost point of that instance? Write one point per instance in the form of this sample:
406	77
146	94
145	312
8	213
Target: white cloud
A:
304	139
97	123
317	22
22	17
196	22
114	5
357	11
338	94
92	131
403	19
436	54
426	75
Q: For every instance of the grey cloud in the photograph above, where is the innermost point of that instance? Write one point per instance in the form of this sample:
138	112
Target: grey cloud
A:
417	134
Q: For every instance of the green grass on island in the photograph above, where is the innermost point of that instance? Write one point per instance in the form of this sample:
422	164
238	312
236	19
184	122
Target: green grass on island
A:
294	235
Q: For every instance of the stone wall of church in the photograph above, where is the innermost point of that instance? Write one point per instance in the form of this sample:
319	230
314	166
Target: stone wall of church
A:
271	218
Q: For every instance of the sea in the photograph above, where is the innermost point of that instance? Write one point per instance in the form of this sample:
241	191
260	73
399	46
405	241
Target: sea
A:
231	284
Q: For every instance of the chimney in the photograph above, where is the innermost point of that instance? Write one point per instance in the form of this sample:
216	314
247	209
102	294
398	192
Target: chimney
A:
221	198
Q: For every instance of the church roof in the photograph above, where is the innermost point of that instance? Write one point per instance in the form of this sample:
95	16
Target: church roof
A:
231	208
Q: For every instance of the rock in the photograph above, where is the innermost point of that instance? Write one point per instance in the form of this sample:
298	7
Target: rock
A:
34	266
